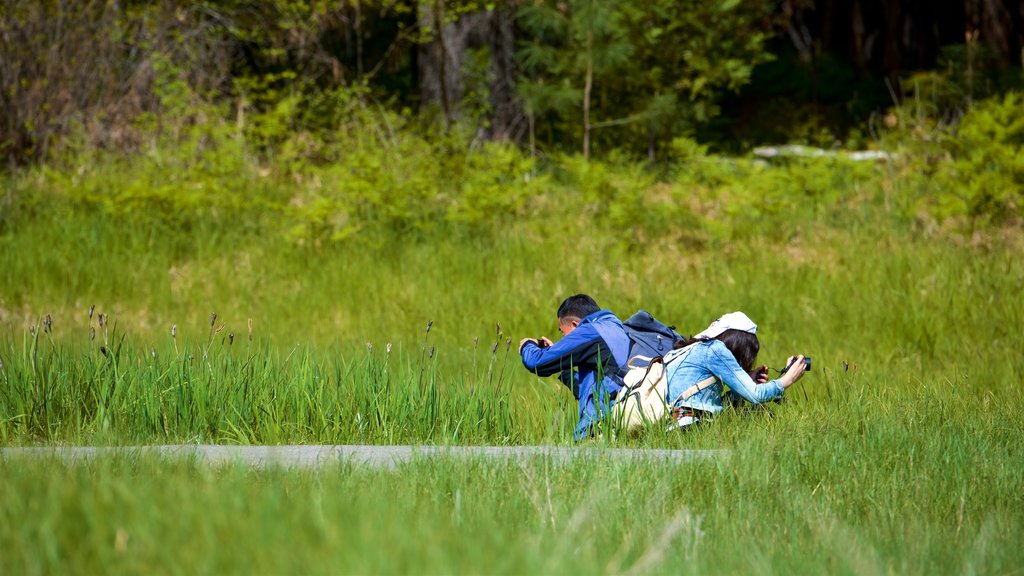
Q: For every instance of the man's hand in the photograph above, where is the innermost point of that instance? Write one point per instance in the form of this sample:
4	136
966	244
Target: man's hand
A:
542	342
760	374
524	341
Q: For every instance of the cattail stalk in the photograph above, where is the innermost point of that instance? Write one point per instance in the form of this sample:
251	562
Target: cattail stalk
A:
174	338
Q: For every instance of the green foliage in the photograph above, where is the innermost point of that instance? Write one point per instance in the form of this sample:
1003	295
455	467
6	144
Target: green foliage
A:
496	183
985	180
658	67
622	198
968	172
574	46
370	175
104	75
705	198
477	77
404	185
377	172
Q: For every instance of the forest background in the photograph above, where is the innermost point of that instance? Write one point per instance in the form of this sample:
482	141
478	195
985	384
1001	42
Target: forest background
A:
557	76
297	222
286	89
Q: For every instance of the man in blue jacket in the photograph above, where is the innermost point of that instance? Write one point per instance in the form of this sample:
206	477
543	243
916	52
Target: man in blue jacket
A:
594	345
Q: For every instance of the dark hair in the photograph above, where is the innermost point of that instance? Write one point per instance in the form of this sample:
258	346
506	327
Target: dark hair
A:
577	306
743	345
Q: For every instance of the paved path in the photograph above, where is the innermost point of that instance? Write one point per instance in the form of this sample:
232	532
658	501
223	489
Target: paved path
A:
374	456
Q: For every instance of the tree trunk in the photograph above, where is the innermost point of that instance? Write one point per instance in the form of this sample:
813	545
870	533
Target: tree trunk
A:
857	31
506	111
996	26
440	65
533	137
587	87
892	61
442	62
652	156
359	40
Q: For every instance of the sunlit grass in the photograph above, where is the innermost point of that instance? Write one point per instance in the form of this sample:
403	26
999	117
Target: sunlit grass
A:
334	347
899	453
843	489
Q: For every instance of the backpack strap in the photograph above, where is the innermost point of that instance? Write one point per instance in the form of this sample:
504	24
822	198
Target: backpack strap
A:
647	371
633	364
702	385
638	357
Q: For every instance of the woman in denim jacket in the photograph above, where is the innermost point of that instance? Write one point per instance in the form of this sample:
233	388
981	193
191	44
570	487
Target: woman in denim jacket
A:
723	355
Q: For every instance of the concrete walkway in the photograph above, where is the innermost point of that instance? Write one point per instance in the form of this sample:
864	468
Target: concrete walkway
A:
373	456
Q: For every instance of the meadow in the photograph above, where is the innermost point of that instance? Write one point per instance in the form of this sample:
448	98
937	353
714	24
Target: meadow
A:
899	453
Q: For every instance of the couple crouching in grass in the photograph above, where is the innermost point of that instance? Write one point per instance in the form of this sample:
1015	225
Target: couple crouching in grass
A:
596	351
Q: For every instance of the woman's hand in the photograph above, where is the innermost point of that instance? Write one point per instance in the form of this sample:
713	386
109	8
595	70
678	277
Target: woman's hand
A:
796	370
760	374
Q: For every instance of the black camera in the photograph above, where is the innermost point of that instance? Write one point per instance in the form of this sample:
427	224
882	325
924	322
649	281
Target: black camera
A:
541	343
807	365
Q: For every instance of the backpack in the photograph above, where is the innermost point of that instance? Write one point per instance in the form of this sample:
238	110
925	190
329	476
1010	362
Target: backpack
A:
643	399
649	337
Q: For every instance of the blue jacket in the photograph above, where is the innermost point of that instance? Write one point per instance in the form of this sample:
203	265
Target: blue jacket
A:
712	358
598	347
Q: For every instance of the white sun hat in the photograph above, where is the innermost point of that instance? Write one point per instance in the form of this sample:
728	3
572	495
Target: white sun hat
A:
730	321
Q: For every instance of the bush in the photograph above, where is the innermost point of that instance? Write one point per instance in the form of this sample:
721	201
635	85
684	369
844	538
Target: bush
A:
967	171
984	180
378	174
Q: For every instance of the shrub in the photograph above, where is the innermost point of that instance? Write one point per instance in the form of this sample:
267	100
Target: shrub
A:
984	180
965	170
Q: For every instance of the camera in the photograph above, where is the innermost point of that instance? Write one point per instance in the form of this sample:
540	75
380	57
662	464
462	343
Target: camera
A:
807	365
541	343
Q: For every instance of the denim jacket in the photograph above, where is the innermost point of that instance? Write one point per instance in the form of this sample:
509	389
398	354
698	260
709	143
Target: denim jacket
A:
712	358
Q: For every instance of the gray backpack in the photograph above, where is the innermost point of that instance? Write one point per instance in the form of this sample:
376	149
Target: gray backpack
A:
649	337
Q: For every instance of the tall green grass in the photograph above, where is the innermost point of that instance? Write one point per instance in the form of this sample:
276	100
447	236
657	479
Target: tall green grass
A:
228	389
821	493
899	452
339	349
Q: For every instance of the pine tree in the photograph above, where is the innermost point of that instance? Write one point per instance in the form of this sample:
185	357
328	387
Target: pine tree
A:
645	71
572	47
